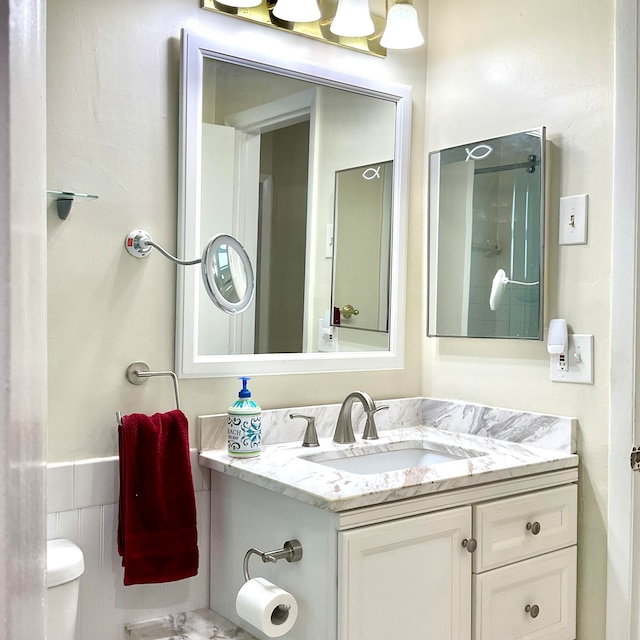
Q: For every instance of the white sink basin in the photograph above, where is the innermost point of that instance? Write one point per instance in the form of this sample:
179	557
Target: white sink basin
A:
366	462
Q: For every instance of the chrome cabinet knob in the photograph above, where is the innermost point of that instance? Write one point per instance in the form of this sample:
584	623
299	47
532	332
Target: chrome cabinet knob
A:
534	527
533	610
470	544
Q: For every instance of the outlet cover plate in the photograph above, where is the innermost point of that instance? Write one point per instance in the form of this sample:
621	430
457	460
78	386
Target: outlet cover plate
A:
579	361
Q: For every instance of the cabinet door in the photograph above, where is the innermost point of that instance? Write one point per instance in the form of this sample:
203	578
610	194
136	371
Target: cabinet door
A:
408	579
527	600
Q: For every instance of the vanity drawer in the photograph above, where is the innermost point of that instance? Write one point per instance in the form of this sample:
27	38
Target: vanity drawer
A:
518	528
530	599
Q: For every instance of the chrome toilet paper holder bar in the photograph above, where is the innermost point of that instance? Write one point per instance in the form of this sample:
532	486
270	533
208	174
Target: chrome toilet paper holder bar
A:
291	551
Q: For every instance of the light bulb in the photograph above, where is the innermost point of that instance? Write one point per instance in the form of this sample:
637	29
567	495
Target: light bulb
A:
402	30
241	4
352	19
297	10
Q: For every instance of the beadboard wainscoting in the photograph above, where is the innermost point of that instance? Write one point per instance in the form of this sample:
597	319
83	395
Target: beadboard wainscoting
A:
82	499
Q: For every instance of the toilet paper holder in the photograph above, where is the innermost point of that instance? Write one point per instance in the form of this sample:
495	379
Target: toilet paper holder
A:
291	551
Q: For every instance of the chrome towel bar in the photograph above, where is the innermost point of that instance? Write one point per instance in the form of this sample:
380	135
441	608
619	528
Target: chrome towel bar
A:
138	373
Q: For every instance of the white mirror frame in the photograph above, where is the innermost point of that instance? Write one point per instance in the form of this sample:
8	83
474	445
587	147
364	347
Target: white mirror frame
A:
189	293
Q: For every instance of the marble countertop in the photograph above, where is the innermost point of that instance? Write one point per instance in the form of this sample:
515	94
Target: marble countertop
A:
282	467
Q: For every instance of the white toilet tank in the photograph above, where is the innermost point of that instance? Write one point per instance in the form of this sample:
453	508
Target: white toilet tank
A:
65	565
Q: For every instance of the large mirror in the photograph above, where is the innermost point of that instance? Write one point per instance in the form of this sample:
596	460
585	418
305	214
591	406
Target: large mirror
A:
269	152
486	238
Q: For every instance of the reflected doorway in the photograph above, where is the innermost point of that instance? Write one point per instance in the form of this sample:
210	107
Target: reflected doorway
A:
282	233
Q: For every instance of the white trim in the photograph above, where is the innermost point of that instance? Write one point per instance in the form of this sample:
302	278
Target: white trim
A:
190	364
23	334
622	570
274	115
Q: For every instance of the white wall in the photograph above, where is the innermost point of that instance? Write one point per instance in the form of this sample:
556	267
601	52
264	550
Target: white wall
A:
113	130
22	319
500	67
494	68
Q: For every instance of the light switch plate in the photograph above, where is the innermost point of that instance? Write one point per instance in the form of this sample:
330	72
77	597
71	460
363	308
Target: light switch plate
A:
573	219
579	361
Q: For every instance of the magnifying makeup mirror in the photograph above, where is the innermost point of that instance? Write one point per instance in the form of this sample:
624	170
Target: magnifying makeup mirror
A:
227	273
499	284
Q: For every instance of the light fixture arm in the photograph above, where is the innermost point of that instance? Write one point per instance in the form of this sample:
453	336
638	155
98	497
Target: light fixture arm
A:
138	243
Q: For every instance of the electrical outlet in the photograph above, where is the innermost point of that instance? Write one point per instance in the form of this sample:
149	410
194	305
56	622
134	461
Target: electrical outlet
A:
579	365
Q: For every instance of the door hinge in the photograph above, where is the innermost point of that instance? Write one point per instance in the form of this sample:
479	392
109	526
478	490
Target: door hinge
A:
634	459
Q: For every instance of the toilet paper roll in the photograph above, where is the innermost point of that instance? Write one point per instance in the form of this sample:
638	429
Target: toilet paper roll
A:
267	607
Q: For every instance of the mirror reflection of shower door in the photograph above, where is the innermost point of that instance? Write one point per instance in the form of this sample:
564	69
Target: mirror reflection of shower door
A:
506	202
486	218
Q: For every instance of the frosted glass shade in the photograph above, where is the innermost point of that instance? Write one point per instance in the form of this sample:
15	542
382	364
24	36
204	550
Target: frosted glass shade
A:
402	30
352	19
240	3
297	10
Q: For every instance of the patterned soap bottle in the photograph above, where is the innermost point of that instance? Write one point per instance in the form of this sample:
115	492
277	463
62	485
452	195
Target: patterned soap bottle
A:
244	425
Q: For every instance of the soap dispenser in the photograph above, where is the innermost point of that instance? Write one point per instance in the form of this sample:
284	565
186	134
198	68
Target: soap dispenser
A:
244	425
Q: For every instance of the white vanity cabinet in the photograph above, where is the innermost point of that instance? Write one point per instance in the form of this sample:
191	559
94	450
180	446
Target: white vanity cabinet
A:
401	578
487	562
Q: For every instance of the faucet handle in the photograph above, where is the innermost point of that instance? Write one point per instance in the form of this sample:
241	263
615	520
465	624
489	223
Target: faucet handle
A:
370	429
310	435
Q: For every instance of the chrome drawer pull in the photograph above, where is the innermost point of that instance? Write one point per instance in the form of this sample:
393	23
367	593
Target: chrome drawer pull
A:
532	610
470	545
534	527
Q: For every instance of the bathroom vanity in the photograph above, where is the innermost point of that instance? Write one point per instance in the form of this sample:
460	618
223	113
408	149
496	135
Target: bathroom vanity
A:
481	545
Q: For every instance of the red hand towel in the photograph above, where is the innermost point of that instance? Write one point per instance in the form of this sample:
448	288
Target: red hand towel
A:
157	536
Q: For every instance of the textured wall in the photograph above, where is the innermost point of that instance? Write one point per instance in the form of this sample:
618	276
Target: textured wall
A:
493	68
501	67
112	93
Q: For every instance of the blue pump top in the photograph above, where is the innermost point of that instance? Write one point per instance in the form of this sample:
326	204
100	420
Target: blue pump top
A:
244	403
244	392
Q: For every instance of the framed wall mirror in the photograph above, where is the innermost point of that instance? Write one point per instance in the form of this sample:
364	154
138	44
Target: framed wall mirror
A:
486	238
267	150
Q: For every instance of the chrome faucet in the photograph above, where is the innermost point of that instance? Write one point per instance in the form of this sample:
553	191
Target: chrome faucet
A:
344	427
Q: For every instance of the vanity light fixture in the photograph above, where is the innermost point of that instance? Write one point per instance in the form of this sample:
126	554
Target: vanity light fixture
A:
297	10
346	23
240	4
402	30
352	19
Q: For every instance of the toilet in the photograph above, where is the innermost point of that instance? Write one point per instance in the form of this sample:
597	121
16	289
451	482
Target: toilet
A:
65	565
